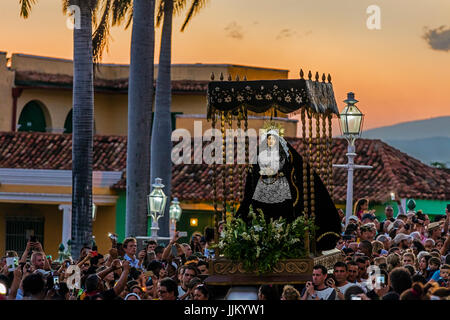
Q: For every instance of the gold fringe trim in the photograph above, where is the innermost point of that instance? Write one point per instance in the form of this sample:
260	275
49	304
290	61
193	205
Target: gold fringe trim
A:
328	233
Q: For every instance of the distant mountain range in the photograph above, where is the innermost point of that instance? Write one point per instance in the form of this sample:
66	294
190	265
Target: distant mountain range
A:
427	140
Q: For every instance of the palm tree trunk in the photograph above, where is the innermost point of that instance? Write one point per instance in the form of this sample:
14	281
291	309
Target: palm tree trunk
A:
140	101
161	162
82	138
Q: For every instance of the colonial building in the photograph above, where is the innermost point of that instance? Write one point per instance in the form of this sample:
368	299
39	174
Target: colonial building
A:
35	153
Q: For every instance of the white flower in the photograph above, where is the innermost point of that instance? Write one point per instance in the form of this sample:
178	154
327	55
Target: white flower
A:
240	98
287	98
258	228
228	99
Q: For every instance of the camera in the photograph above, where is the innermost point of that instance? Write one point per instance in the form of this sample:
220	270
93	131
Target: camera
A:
32	238
380	279
112	236
182	234
56	282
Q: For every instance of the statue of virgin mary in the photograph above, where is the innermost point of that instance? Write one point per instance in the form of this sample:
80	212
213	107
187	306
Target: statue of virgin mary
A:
275	185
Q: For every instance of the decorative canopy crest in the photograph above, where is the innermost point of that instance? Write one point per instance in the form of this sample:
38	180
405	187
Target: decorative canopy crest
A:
272	125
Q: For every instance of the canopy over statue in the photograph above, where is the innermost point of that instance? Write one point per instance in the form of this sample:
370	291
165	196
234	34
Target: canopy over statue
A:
298	186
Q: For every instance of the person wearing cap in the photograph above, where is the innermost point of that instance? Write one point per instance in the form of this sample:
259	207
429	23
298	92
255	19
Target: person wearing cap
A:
367	232
434	230
385	240
402	240
353	220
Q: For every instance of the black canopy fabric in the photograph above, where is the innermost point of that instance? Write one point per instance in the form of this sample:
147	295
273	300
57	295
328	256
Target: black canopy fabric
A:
286	96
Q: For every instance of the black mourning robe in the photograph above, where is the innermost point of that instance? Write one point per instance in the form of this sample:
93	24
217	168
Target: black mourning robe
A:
326	215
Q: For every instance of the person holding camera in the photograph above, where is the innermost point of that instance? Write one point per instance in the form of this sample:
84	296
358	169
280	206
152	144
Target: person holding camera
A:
317	289
38	257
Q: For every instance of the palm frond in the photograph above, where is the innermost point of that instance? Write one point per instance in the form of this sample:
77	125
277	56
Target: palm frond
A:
195	8
65	5
25	7
101	33
160	13
178	6
121	9
130	19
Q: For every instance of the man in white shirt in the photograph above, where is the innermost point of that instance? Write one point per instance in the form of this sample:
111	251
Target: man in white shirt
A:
317	290
340	284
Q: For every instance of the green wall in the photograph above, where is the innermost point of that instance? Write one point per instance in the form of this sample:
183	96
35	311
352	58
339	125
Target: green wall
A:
121	209
205	218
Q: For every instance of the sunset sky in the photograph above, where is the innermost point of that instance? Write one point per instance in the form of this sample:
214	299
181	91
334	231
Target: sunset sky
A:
396	74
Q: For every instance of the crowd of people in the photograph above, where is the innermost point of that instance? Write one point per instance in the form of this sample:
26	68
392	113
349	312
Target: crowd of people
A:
402	258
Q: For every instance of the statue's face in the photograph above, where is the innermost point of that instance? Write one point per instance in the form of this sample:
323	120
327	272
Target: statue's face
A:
271	140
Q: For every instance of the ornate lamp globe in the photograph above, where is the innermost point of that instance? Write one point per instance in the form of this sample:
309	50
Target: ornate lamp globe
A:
157	199
175	210
351	118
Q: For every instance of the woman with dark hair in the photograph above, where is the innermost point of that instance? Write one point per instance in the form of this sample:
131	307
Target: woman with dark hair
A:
361	207
423	266
267	292
201	293
355	292
275	185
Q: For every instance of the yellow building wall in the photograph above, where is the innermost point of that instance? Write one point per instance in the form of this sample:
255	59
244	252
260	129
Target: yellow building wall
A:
53	221
6	100
104	223
257	73
23	62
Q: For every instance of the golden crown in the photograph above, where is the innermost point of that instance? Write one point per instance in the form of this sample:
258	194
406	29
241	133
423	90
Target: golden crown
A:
272	125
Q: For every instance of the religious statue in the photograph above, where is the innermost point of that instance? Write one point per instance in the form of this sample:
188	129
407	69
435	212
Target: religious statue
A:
275	185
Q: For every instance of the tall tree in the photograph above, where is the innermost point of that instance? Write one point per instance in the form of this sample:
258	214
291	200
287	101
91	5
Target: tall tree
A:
161	163
83	127
83	115
140	101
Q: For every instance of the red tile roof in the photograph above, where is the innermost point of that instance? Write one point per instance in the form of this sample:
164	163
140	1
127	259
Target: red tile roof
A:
393	170
46	80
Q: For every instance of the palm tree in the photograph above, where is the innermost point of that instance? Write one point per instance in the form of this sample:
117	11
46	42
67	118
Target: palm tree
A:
140	101
83	118
162	127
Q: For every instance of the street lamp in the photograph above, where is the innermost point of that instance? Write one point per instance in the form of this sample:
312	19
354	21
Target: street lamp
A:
351	120
156	205
175	215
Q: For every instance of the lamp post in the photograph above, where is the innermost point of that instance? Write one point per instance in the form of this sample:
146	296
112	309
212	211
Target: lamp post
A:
156	205
351	120
175	215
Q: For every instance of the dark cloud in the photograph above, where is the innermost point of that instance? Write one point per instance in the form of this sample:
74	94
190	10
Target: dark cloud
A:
438	39
234	31
288	33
